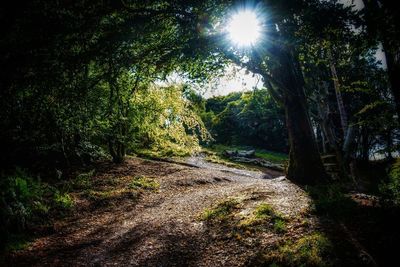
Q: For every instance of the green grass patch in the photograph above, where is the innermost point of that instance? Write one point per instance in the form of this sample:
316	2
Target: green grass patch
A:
262	218
221	212
310	250
142	182
214	158
274	157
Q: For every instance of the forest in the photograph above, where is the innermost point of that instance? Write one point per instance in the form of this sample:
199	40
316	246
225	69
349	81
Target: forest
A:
114	152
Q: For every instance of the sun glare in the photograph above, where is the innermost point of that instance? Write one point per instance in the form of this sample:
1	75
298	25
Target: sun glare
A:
244	28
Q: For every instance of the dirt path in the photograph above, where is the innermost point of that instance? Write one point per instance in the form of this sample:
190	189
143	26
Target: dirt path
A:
163	228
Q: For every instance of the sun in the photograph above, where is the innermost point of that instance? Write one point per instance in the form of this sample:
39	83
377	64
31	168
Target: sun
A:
244	28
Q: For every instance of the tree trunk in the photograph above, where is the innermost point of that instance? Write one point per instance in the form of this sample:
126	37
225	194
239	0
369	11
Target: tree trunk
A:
339	98
117	151
305	165
393	66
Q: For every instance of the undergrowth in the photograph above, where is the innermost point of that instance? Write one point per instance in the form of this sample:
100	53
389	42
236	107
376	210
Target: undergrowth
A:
390	189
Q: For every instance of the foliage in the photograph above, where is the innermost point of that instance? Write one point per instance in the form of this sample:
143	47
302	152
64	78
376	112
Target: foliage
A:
250	118
19	195
391	188
21	199
63	200
82	180
163	121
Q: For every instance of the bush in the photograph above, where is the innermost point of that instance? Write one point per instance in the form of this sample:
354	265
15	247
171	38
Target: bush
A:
391	188
21	197
26	201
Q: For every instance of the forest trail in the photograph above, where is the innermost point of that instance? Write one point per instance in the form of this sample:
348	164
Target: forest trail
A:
163	227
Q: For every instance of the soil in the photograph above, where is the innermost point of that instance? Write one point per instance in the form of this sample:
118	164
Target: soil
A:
163	227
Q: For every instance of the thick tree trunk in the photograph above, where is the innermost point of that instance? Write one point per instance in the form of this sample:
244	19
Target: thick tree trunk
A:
305	165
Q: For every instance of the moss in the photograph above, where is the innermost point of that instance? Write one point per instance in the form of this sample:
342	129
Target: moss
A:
310	250
222	211
263	217
263	211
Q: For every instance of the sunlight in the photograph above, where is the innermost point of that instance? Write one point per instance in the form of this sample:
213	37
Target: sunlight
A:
244	28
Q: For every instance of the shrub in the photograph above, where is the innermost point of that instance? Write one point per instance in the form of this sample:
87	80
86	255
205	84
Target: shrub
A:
21	197
82	181
63	200
391	188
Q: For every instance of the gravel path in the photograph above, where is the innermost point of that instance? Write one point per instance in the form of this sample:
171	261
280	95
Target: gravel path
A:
163	228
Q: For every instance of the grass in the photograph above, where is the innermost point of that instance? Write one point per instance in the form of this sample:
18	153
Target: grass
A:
131	189
274	157
215	158
221	212
262	218
142	182
310	250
